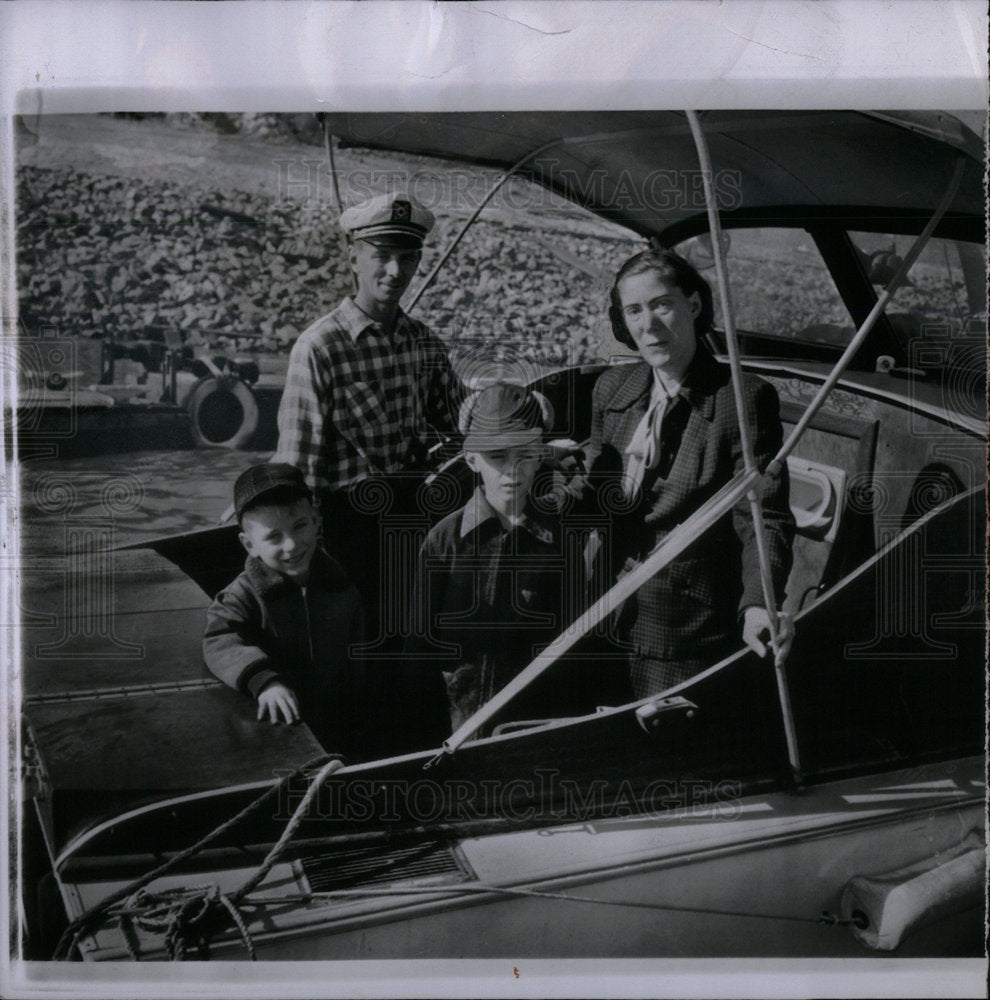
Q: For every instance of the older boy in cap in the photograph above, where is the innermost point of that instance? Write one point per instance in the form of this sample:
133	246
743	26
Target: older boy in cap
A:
280	632
492	580
364	382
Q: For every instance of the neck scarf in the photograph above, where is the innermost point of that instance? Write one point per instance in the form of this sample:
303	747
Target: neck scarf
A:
644	446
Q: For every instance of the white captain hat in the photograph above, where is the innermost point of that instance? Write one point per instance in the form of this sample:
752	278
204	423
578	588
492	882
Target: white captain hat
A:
395	214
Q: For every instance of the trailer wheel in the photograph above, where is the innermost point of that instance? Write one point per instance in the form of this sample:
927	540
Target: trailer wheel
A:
223	412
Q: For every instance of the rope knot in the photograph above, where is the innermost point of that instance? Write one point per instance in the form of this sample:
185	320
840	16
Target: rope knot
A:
188	915
186	918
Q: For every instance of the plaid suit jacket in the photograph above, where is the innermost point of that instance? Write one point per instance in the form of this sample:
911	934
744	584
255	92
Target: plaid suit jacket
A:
688	614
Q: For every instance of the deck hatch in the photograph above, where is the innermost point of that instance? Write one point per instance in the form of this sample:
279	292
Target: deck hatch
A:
432	863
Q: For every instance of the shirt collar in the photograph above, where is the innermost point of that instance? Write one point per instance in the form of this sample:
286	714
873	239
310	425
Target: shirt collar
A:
324	572
478	510
697	387
666	388
357	321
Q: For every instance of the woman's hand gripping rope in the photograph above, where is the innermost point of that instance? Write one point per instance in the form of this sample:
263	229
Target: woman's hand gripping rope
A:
757	634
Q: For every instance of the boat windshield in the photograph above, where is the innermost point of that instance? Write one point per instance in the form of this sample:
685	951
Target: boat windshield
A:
787	304
779	284
940	314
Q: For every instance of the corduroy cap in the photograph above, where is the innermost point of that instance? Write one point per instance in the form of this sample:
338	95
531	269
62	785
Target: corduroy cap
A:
393	214
254	483
503	415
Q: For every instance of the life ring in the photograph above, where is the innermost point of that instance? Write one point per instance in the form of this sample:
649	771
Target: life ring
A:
223	412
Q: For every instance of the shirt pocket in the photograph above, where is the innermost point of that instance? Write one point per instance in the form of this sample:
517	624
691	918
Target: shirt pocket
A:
536	600
363	403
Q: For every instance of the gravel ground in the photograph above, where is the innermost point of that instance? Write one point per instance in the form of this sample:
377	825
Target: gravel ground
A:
221	235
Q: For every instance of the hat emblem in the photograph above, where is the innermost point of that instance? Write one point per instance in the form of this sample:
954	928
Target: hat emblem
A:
401	211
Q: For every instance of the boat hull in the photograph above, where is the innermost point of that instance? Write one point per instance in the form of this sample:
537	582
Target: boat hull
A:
685	885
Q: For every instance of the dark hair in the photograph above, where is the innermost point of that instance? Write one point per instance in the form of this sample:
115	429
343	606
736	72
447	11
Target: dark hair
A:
672	267
277	496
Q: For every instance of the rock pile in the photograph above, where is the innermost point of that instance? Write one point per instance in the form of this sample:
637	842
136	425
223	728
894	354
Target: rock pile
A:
102	255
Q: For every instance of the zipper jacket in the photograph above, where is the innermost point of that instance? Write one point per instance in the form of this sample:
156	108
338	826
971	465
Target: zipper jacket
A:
264	627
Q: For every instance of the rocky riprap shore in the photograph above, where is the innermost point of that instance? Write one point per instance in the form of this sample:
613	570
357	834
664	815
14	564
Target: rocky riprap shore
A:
103	254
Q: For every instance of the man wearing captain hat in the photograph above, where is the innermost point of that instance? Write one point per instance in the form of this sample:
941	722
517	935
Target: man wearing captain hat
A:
365	382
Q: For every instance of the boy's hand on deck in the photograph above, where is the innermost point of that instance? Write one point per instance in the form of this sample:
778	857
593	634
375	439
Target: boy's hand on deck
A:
279	703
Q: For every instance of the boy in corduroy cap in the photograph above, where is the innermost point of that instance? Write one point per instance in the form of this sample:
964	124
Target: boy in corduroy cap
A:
491	576
281	631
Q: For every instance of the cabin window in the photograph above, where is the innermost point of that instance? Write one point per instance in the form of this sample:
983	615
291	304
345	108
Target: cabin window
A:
946	286
780	287
939	315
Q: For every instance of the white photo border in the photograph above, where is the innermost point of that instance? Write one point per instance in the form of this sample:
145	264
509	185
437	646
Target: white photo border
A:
89	56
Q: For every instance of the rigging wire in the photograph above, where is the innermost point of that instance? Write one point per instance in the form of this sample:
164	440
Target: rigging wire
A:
82	924
749	458
518	165
861	334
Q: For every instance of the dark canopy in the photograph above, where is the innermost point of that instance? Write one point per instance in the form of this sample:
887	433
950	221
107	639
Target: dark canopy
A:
640	168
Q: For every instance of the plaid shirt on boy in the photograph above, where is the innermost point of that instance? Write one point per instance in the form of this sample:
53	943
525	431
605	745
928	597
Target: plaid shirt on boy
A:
357	401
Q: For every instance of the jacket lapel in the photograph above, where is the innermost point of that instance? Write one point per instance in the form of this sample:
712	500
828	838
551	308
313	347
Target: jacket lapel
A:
703	378
635	388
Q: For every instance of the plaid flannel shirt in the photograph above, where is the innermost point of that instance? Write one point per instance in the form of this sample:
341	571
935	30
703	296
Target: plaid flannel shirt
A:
357	402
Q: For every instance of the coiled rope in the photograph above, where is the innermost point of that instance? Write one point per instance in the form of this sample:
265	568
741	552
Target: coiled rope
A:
181	915
188	915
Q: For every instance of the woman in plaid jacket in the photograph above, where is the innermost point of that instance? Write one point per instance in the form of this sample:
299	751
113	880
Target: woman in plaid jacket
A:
665	437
